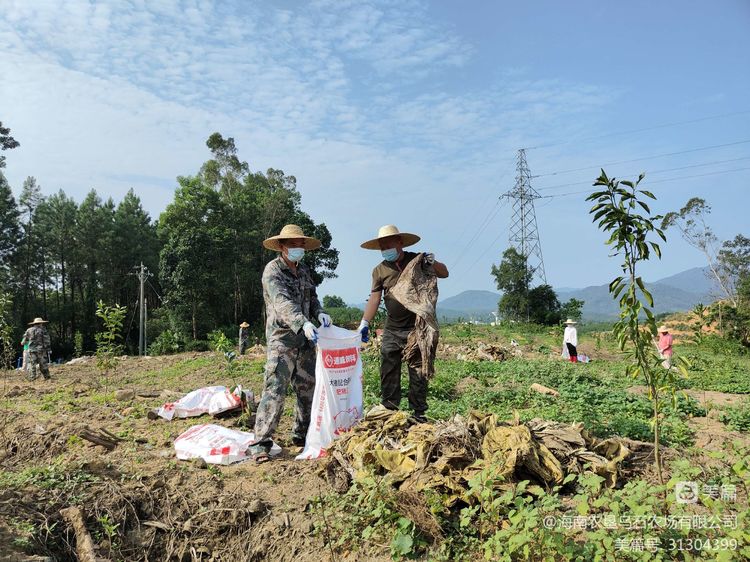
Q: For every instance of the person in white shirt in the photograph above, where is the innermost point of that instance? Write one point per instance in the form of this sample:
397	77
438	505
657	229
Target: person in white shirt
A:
570	341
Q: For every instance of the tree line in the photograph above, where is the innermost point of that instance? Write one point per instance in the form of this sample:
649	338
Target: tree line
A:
59	257
727	261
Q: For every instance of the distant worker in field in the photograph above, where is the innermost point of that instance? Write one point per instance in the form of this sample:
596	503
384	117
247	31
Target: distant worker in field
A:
399	321
665	346
244	337
291	301
570	341
37	339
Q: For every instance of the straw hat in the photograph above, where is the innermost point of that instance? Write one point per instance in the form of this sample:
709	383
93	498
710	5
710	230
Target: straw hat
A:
663	328
291	232
389	230
569	321
38	321
244	325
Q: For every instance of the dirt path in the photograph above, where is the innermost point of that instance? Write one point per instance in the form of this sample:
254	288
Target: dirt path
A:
706	398
169	509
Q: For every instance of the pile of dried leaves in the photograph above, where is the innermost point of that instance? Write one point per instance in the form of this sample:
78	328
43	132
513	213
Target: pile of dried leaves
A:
446	455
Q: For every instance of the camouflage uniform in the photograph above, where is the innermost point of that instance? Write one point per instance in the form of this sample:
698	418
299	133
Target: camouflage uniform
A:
244	340
39	347
291	300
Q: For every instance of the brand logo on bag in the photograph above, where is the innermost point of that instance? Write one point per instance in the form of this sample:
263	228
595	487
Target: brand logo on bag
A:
340	358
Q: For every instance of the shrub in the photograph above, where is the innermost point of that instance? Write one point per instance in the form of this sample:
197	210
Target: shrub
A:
167	343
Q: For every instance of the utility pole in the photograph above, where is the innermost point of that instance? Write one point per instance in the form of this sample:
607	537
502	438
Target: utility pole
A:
145	332
523	233
143	274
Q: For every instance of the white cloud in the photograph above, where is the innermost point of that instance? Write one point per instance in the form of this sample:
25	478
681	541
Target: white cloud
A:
121	94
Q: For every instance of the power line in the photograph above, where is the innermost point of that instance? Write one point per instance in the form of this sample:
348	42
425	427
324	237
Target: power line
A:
653	127
154	290
643	158
494	211
483	206
466	226
652	182
653	172
492	245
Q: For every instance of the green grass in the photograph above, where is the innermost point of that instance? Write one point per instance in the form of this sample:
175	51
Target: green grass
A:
592	394
718	372
52	476
59	399
737	417
174	372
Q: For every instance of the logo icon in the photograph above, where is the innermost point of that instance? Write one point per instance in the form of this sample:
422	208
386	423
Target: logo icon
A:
340	358
686	492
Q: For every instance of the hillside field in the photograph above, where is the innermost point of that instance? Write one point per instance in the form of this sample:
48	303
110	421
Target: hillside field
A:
141	503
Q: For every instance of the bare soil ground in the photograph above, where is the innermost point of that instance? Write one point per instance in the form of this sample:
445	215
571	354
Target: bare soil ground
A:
159	507
169	509
710	433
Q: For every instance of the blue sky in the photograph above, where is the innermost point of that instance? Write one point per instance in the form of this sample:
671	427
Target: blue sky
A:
401	112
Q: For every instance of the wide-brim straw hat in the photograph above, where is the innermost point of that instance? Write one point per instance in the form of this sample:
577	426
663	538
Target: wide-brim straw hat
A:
407	238
38	321
291	232
663	328
570	321
244	325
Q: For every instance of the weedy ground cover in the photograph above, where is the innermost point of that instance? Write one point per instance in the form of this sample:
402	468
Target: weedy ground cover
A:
48	467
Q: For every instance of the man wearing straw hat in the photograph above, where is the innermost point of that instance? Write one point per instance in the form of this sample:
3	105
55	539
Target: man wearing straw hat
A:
399	321
37	338
291	301
244	337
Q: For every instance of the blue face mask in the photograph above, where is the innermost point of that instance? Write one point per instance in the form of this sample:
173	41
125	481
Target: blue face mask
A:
295	254
390	255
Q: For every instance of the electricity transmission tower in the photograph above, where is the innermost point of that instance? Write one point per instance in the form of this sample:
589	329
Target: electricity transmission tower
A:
524	236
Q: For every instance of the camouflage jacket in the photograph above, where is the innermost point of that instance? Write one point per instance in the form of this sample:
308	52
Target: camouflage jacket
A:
38	339
291	300
244	334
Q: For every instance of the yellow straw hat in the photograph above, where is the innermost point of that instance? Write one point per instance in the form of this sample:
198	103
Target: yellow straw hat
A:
38	321
663	328
387	231
570	321
244	325
291	232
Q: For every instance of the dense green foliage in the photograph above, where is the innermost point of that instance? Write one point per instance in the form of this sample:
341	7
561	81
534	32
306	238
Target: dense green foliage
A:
519	302
59	258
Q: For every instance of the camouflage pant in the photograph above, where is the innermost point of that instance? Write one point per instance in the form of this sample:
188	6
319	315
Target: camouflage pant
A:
391	349
40	358
244	344
286	365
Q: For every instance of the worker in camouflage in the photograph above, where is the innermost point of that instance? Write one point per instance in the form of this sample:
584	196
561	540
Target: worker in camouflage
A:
291	301
244	337
37	338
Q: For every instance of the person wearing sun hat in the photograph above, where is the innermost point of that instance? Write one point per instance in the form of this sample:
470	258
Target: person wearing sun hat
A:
244	338
291	302
38	341
399	321
570	341
665	346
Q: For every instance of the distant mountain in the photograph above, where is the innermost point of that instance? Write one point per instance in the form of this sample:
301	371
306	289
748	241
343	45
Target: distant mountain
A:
478	301
599	304
675	293
694	280
472	304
